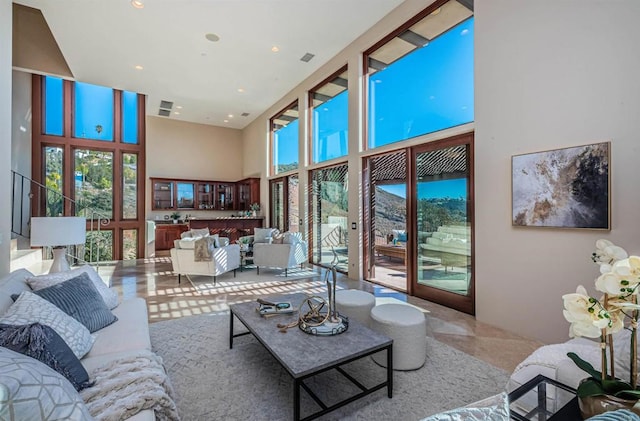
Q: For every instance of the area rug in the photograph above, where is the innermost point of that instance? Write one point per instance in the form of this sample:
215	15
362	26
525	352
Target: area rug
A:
213	382
249	279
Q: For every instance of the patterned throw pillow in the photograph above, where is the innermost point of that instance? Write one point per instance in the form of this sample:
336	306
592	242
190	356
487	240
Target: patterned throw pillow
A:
32	391
45	345
494	408
79	298
109	296
29	308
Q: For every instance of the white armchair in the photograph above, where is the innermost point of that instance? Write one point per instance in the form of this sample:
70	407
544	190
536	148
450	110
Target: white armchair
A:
292	252
224	259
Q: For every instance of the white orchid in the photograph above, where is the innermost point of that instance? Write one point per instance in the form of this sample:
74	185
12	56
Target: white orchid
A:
607	254
587	316
619	280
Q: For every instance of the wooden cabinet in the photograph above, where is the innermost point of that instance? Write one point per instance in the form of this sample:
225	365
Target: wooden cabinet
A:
166	233
162	194
248	192
173	194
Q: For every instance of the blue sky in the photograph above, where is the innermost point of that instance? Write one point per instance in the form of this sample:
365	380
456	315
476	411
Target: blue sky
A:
432	190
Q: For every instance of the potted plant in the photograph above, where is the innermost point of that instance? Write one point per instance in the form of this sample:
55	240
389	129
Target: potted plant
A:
255	208
601	318
175	216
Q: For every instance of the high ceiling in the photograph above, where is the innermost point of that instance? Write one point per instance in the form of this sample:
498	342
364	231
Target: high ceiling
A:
104	40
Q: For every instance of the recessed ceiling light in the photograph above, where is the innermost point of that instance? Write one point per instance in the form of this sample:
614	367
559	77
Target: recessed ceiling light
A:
275	49
179	107
226	121
212	37
138	67
435	12
230	116
137	4
240	90
177	113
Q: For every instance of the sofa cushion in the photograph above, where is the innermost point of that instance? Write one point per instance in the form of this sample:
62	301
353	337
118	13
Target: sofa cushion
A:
130	332
263	235
29	308
189	243
197	232
45	345
109	296
32	391
79	298
291	237
13	283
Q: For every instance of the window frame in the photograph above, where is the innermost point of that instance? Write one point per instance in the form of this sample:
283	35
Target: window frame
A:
272	167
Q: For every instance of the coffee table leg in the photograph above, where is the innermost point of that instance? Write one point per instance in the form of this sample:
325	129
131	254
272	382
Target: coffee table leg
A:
231	330
296	400
390	371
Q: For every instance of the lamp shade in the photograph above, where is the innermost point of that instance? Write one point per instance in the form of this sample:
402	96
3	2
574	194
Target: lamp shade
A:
58	231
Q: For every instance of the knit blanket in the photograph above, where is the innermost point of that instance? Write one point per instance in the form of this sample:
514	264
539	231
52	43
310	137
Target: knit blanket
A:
129	385
203	249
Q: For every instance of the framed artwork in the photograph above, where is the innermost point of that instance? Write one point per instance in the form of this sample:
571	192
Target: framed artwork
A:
562	188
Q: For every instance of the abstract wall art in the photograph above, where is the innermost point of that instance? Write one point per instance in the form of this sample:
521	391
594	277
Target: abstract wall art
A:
562	188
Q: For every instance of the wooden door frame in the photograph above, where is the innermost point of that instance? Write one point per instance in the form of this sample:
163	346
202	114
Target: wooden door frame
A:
459	302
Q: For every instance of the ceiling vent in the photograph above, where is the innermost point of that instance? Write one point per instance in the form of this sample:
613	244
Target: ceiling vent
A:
245	114
164	113
307	57
167	105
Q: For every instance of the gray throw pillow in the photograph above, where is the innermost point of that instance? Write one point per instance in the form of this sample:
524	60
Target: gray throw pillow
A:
29	308
32	391
79	298
45	345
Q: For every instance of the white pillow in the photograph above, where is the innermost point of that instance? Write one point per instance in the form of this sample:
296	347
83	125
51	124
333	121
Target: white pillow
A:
494	408
292	237
189	243
32	391
29	308
109	296
262	235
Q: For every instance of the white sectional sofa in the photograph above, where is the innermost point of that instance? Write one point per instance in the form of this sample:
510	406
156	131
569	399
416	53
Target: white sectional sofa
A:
123	338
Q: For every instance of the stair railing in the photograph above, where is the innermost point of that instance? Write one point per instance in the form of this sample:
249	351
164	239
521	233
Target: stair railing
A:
53	203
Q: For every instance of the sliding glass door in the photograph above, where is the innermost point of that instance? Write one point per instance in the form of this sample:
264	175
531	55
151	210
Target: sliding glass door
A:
443	209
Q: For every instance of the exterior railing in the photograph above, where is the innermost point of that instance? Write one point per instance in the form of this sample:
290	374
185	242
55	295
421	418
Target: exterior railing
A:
31	198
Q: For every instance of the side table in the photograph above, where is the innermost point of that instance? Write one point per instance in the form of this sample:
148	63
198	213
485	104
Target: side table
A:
544	399
246	256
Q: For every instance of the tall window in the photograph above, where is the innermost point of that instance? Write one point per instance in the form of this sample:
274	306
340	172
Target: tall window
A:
285	209
329	211
284	140
98	164
329	118
93	112
420	79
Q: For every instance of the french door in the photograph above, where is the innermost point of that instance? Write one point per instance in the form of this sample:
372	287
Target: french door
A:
442	222
419	221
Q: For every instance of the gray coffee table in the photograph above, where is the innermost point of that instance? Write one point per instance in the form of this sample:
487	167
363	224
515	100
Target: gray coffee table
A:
304	356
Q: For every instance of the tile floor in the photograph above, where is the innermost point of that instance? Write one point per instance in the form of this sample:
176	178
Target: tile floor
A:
153	280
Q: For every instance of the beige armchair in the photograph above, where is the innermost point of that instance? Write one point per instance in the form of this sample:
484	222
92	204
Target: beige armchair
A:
292	252
225	258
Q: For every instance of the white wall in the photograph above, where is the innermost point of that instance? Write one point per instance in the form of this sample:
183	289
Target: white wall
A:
21	146
177	149
550	74
5	133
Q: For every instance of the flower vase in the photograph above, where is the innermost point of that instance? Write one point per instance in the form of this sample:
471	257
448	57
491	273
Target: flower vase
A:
594	405
254	213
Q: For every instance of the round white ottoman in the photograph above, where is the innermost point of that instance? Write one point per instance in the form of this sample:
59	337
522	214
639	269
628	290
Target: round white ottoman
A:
407	327
355	304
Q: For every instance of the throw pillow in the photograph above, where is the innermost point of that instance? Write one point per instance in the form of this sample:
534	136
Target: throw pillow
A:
277	239
29	308
109	296
199	232
291	237
262	235
32	391
45	345
495	408
79	299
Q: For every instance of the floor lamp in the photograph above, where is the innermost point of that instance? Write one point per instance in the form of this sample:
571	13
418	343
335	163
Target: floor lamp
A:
58	232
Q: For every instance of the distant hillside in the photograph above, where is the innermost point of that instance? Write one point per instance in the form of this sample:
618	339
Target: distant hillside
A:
391	212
